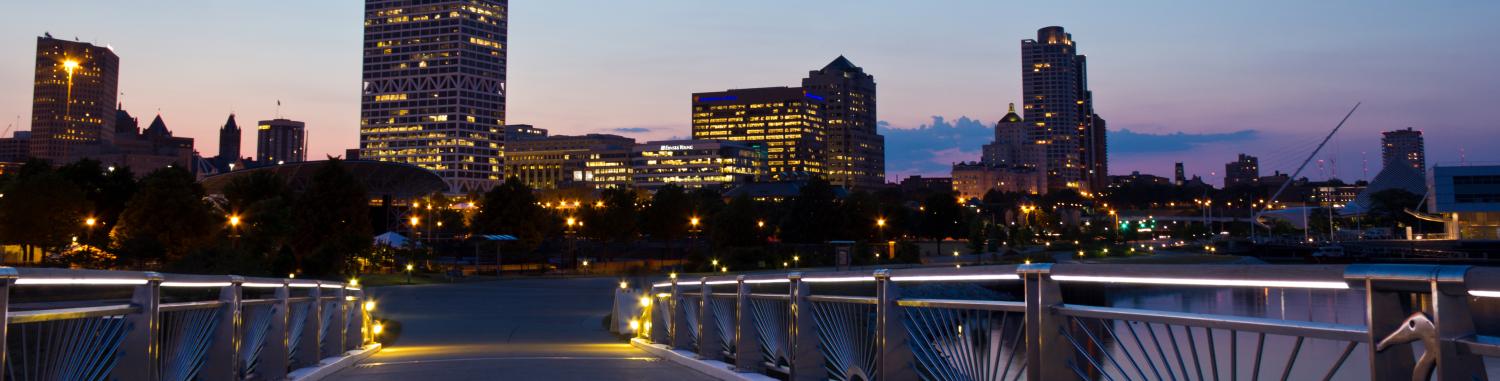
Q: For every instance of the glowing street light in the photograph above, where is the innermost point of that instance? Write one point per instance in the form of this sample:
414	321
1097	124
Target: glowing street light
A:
415	221
369	305
90	221
234	220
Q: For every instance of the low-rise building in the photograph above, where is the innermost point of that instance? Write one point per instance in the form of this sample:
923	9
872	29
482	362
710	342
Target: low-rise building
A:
973	180
1468	197
696	164
595	161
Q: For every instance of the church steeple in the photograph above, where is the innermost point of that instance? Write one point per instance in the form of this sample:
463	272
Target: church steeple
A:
229	140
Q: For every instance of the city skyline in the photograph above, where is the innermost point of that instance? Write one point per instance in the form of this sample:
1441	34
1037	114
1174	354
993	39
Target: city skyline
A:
1154	82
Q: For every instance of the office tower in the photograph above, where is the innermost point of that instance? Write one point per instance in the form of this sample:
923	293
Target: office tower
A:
229	140
73	99
280	141
693	164
1060	108
1243	171
595	161
1181	176
16	148
434	88
856	152
785	122
1404	147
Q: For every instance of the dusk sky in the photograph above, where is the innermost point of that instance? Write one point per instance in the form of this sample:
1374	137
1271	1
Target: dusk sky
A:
1177	81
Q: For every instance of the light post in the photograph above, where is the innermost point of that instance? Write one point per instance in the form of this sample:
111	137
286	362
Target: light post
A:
88	234
693	230
572	232
234	231
414	221
1116	215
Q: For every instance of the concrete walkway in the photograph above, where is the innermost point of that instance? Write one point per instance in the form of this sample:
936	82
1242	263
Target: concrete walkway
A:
541	329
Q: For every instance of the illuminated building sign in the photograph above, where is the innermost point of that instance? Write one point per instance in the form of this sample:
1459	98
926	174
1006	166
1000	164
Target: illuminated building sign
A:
680	147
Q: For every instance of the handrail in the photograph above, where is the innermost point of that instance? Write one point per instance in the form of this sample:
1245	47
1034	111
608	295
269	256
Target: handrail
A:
38	316
1309	329
1064	343
130	333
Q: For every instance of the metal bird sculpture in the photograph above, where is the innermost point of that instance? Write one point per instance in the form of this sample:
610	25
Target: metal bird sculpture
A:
1416	327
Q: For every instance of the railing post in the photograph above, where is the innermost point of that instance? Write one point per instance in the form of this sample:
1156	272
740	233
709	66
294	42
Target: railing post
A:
333	344
139	351
1395	326
222	362
273	358
1047	354
1454	321
746	338
806	360
7	277
708	329
891	341
354	329
307	350
679	329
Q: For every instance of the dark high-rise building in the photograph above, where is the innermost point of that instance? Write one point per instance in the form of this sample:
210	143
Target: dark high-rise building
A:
1060	108
1404	147
73	99
280	141
229	140
434	87
1181	176
1243	171
785	122
856	151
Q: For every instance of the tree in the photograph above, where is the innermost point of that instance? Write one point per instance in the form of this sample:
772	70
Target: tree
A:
263	202
166	219
41	209
510	208
1388	207
813	216
106	190
333	221
734	226
666	218
617	220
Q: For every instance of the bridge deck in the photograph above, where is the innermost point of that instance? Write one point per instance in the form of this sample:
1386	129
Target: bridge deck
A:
513	329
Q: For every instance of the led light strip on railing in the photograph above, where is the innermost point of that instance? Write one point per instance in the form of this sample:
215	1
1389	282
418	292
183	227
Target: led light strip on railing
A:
262	285
954	278
764	281
195	284
845	279
1202	282
719	282
79	282
1485	294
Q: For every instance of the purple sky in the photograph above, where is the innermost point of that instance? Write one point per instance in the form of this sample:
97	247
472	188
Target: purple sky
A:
1264	78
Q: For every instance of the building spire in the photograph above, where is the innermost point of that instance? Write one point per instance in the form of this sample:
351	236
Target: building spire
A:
1012	107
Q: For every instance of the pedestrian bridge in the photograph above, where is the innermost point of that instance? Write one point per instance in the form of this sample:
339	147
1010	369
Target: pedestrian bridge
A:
1080	321
1034	322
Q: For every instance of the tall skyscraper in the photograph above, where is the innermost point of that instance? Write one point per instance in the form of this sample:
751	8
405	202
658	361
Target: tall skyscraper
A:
1404	147
73	99
229	140
1243	171
786	122
434	88
280	141
1060	108
856	151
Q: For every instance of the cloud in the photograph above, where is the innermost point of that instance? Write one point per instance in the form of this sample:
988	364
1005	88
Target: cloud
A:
931	149
1127	142
631	130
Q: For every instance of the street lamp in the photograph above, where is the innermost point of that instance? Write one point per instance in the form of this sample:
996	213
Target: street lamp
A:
409	267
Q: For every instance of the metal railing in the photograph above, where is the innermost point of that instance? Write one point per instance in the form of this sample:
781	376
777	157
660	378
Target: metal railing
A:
171	326
1416	323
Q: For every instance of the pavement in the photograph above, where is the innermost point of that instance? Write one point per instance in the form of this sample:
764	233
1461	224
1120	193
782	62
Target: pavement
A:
523	329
